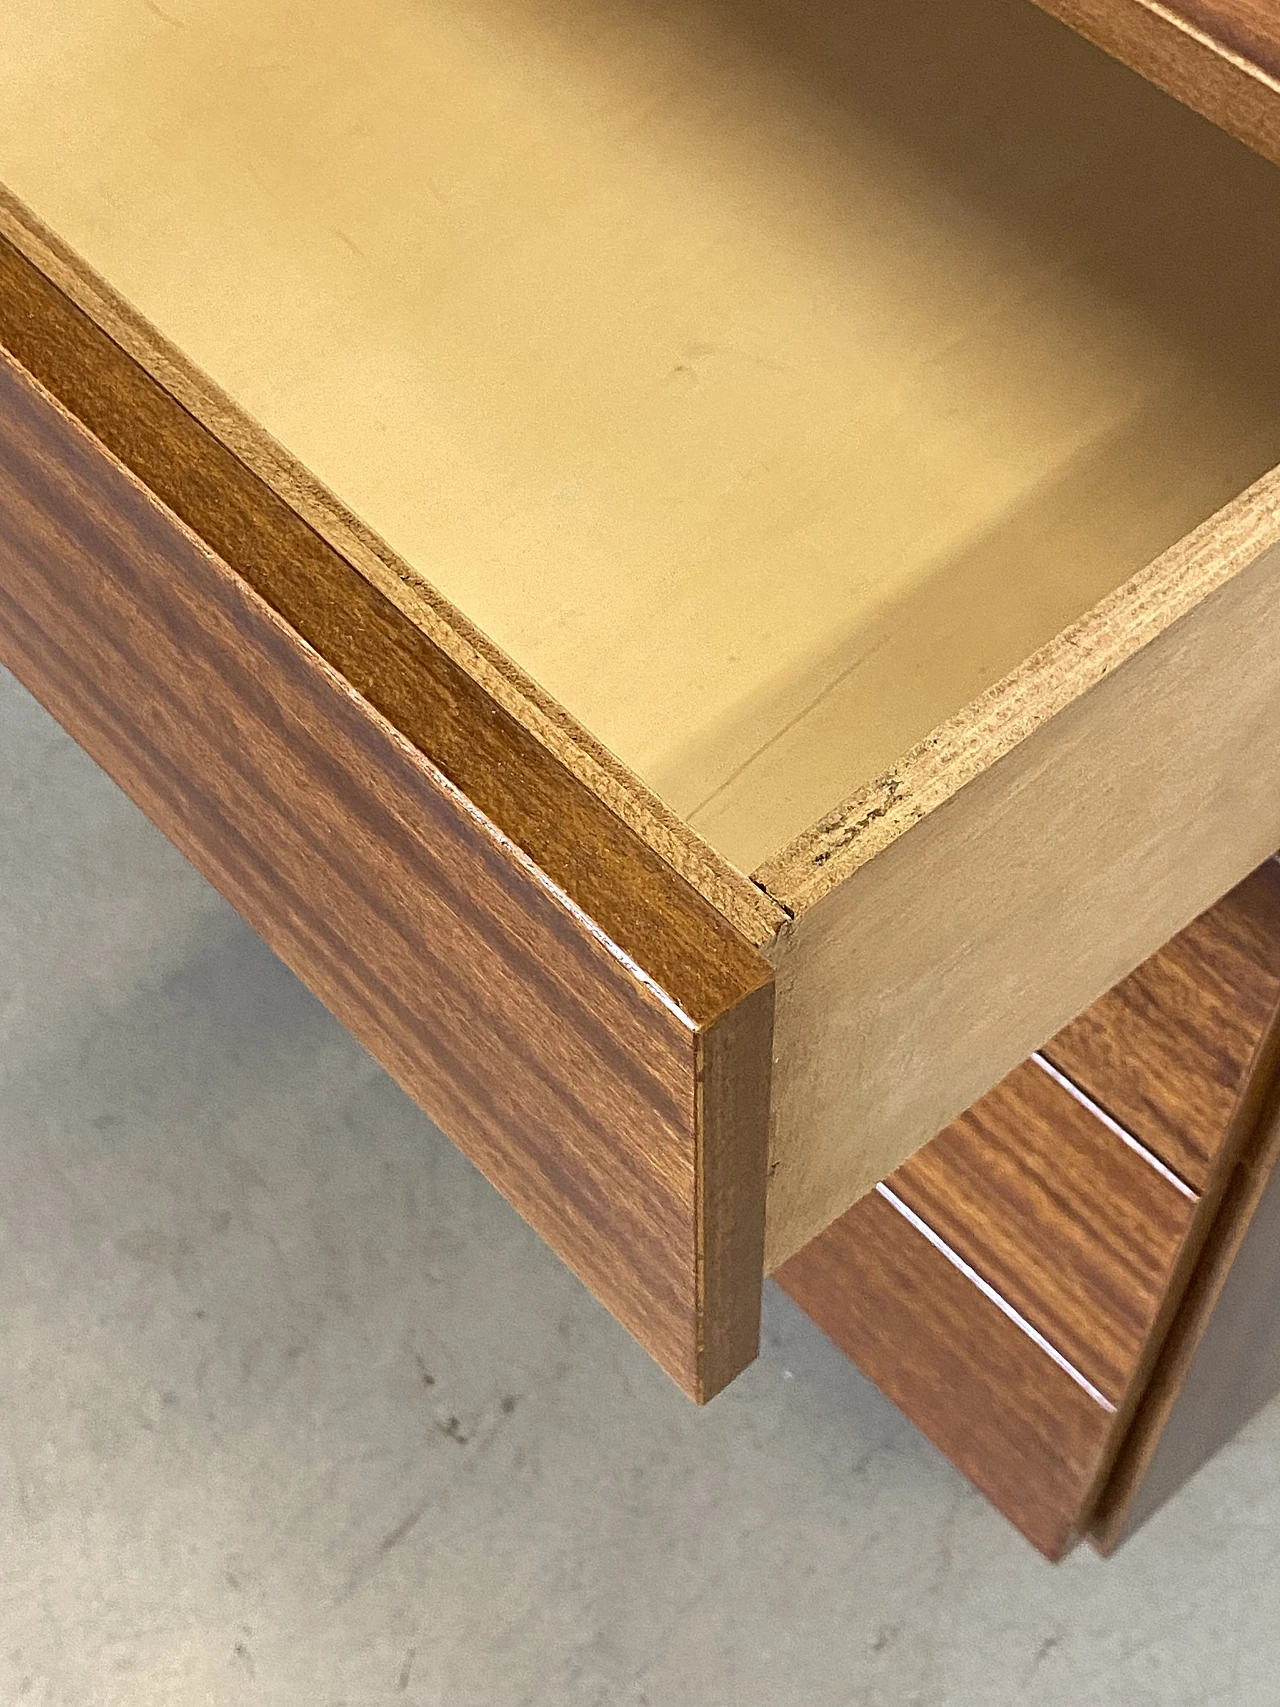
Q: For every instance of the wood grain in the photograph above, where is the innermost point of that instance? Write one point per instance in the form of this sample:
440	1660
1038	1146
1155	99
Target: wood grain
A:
1220	57
1007	1416
1073	1228
692	950
1026	852
627	1123
624	886
1171	1050
945	927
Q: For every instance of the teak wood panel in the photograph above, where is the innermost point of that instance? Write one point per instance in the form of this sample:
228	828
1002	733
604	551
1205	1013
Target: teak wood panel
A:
1075	1229
1170	1051
1054	1247
1221	57
1013	1421
627	1127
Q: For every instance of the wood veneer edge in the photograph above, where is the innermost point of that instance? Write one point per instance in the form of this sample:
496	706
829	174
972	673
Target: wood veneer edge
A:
734	1068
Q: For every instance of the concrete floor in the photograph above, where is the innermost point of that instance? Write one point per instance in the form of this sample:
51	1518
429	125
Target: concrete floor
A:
297	1412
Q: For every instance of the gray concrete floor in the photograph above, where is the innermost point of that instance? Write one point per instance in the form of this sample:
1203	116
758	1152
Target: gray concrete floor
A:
296	1411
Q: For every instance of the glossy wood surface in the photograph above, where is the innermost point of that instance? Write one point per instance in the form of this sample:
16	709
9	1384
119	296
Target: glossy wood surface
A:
629	1129
971	1379
1170	1051
1076	1230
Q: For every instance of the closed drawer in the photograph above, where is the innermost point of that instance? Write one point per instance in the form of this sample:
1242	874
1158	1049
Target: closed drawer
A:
705	579
1037	1259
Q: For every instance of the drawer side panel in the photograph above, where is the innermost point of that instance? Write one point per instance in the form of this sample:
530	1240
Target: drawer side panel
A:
910	989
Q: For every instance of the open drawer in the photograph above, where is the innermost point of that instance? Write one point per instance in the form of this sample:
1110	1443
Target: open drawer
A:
644	545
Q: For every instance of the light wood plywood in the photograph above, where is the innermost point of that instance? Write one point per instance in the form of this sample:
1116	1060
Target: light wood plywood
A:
918	978
763	387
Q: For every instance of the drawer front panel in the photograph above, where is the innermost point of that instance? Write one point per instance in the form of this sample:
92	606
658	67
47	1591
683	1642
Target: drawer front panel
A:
984	1392
1168	1053
1079	1232
629	1130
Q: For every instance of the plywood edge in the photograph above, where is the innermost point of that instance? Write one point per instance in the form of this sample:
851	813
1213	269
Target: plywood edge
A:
1230	75
988	730
740	900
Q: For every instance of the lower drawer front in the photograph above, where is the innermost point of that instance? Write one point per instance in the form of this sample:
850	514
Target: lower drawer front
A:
1078	1230
1008	1287
987	1393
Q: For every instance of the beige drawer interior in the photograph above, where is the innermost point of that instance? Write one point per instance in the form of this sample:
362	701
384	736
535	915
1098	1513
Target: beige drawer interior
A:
842	434
766	382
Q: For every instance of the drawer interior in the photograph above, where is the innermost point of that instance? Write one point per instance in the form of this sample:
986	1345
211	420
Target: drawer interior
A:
767	381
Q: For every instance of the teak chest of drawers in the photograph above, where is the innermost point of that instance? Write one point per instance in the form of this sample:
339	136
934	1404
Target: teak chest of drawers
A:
707	575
